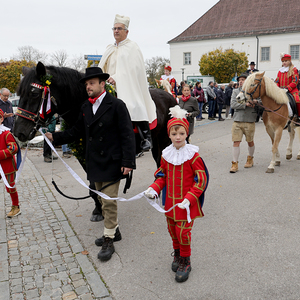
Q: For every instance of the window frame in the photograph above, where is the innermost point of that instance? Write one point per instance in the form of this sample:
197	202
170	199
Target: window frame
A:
291	52
184	58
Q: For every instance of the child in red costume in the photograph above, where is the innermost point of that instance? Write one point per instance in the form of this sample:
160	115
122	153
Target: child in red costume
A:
8	149
185	177
288	78
171	79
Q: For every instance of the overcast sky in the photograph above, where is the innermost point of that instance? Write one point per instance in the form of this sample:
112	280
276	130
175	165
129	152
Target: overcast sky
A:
84	27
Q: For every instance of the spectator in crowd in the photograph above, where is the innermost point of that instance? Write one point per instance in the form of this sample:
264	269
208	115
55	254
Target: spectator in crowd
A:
6	107
190	104
227	96
182	83
47	152
200	96
252	68
211	97
220	100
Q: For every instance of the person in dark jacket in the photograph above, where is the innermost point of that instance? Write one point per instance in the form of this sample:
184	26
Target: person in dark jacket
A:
200	96
47	152
105	123
227	98
220	100
252	68
6	106
211	98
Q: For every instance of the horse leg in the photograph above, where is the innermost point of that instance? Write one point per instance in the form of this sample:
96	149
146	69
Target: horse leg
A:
289	148
275	152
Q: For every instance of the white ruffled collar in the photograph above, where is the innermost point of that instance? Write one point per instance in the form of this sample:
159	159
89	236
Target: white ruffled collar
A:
178	157
165	77
284	69
3	128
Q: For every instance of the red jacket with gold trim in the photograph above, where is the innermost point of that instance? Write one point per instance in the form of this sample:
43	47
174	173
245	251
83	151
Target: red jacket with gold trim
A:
290	83
8	149
180	184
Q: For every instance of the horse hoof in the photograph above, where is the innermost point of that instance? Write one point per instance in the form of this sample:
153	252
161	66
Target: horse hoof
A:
269	170
277	163
96	218
289	156
298	157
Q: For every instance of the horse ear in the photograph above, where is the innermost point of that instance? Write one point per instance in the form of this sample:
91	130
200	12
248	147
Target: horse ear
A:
263	73
40	70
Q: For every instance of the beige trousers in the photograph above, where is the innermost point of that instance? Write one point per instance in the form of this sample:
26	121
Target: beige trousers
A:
109	207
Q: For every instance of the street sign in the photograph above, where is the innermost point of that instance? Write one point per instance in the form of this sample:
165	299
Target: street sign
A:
92	57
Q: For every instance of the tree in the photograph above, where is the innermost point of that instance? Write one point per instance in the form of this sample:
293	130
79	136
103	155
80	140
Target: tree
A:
79	63
30	54
155	68
59	58
10	74
223	65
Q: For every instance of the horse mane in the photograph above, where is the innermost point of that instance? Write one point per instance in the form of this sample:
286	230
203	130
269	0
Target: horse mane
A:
272	90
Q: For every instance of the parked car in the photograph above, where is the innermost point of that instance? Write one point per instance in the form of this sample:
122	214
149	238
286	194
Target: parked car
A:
15	103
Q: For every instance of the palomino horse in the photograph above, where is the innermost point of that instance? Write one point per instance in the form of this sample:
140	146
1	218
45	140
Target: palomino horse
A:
275	116
67	96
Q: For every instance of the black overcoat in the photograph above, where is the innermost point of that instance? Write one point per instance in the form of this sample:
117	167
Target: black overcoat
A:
110	141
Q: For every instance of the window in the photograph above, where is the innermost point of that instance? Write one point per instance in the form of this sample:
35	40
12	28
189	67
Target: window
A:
294	51
265	53
187	58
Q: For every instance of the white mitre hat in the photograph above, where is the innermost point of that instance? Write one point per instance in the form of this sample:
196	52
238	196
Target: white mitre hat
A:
122	20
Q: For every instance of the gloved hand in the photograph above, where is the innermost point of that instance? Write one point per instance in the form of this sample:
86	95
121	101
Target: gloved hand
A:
185	201
151	193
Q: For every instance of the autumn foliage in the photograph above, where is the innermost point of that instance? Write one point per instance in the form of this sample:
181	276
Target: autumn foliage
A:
223	65
10	73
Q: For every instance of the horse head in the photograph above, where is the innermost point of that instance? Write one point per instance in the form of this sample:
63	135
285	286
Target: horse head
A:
37	105
252	86
31	90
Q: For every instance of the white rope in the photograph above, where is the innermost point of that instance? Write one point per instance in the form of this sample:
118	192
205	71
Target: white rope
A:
102	195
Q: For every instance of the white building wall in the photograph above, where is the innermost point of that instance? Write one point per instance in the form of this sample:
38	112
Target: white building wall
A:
277	43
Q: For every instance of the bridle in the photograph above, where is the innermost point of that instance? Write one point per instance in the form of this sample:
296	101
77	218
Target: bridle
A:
252	93
37	118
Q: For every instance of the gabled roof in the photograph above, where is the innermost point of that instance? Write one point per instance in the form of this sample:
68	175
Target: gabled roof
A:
237	18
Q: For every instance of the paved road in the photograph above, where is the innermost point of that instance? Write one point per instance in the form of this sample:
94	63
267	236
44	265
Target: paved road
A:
246	246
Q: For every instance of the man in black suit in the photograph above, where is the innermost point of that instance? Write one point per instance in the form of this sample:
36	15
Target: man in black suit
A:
252	68
105	123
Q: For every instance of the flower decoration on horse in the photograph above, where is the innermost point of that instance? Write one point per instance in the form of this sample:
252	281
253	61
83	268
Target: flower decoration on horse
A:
46	80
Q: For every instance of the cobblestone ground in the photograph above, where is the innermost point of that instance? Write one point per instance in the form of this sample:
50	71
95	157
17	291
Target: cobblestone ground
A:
40	255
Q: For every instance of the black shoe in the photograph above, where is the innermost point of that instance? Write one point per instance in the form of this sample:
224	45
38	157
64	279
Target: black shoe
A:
202	118
118	237
175	262
184	269
107	249
221	119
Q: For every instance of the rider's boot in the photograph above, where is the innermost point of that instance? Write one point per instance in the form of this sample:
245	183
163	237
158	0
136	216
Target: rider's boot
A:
146	143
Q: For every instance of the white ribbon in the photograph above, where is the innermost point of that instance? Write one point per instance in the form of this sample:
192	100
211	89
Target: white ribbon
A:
136	197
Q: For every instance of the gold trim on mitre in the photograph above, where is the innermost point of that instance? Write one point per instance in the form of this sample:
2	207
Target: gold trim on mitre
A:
122	20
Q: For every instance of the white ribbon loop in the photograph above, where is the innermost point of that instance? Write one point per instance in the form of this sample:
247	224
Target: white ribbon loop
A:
136	197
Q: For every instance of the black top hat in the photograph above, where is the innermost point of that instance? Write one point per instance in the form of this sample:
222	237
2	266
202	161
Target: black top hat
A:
245	75
252	63
94	72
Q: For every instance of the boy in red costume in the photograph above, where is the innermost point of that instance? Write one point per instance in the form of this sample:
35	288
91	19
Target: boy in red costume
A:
185	177
8	149
171	79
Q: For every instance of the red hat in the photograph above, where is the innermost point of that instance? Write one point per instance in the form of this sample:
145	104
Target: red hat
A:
178	118
1	113
286	57
168	68
181	122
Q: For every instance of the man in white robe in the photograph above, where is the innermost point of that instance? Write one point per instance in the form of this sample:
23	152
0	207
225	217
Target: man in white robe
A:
124	61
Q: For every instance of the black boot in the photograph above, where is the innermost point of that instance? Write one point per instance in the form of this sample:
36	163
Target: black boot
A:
175	262
184	269
107	249
118	237
146	143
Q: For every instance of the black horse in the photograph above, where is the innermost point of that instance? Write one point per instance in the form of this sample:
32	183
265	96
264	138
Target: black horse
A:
67	95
